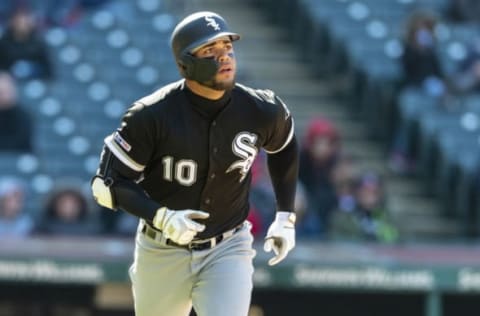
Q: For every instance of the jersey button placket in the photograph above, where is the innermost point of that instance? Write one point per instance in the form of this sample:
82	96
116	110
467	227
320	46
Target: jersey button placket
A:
208	201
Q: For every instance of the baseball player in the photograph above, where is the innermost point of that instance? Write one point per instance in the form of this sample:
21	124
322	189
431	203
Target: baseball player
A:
181	160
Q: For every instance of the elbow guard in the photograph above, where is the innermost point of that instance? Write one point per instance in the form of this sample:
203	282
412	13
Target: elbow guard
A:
102	193
101	183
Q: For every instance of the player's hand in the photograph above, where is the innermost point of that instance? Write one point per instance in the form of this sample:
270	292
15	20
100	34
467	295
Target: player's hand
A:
179	226
280	236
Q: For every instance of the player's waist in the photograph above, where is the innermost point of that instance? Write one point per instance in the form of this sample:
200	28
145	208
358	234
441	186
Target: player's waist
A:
196	244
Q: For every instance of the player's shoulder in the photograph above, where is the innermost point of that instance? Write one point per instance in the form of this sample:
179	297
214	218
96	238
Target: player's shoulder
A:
256	95
143	108
162	94
264	99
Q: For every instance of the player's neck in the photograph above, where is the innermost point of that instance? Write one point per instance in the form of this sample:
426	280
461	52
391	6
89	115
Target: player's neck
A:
204	91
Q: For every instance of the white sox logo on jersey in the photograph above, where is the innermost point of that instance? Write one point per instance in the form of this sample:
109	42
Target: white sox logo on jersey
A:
211	22
243	146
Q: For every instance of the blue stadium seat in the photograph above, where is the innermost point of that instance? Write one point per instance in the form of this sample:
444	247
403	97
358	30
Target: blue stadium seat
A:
316	17
472	102
390	8
451	147
429	125
466	189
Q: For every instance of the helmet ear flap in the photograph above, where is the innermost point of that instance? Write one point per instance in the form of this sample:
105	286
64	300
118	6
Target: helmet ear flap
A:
198	69
187	66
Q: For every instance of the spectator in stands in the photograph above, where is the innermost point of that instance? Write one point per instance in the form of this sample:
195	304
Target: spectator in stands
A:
369	220
422	70
318	158
262	198
15	123
467	78
120	224
5	11
464	10
262	204
63	13
14	221
67	212
420	61
308	224
50	13
344	176
22	50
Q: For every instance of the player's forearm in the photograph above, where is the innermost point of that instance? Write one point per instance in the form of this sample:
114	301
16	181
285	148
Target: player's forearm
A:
283	168
124	192
130	197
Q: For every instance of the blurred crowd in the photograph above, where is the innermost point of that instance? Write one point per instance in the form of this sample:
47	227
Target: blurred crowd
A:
49	13
336	200
423	70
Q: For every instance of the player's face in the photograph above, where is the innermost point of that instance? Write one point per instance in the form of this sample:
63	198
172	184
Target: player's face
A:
222	51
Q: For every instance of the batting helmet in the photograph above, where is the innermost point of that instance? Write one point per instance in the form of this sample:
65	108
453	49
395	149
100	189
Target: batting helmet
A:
192	32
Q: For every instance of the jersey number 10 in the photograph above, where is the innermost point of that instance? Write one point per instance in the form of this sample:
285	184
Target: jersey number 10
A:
183	171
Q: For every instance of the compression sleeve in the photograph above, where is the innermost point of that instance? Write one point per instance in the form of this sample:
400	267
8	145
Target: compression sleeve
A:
283	168
127	194
130	197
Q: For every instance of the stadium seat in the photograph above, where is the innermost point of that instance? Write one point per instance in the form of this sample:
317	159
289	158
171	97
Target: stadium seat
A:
450	147
465	189
311	28
429	125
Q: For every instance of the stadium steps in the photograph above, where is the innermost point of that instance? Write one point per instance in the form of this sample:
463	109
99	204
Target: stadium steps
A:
268	59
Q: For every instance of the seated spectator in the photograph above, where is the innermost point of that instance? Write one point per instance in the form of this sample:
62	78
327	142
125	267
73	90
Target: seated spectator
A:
422	70
52	13
263	206
261	197
5	11
22	51
464	10
421	64
344	175
15	122
308	224
120	224
62	13
255	218
467	78
369	220
318	158
14	221
67	212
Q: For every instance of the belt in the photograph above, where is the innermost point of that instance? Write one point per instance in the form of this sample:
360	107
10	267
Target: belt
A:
198	245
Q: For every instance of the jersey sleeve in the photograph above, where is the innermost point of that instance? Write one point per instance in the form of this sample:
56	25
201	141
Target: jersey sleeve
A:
132	143
282	129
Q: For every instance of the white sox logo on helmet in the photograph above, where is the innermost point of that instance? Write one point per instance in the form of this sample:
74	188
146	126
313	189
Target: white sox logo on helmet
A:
211	22
243	146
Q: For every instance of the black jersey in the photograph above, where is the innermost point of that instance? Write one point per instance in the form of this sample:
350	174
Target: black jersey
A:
188	152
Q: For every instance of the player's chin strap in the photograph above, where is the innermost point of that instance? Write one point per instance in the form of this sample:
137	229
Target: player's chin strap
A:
280	236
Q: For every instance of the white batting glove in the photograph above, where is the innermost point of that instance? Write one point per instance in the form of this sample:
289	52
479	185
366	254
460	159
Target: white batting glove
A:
280	236
179	226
